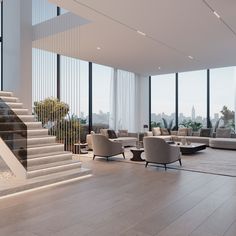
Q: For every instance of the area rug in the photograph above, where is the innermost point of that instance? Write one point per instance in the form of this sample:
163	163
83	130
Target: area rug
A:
210	161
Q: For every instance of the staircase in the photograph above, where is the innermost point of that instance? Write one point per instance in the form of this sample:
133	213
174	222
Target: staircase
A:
46	159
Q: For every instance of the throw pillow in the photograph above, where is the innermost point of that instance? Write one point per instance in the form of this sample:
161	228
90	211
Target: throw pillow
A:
104	132
206	132
156	131
164	131
123	133
111	134
189	131
223	133
182	132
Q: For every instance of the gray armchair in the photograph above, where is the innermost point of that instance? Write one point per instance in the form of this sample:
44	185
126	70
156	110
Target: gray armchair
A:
104	147
158	151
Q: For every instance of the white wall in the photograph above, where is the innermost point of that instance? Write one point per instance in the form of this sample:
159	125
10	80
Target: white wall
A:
17	49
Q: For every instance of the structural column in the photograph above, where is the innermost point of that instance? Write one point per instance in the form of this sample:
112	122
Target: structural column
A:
17	50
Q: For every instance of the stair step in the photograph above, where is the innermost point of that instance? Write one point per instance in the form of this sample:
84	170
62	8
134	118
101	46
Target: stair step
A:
41	155
52	164
49	159
34	125
14	105
6	94
56	169
42	181
9	99
30	125
21	111
23	118
37	132
27	118
41	140
45	149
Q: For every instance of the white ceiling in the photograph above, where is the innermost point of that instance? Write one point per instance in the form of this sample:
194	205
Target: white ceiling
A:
175	29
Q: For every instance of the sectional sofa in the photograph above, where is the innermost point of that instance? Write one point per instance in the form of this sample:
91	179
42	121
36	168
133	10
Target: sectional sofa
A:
122	136
222	138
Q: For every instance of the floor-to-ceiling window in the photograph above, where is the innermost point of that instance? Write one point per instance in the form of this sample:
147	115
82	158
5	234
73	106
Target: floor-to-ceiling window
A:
74	92
101	95
44	75
222	97
163	100
193	99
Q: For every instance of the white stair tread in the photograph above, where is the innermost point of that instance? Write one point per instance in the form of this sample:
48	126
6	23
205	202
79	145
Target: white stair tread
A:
52	165
20	111
37	132
41	155
42	137
29	146
9	99
31	142
48	159
54	169
6	94
64	175
39	137
49	145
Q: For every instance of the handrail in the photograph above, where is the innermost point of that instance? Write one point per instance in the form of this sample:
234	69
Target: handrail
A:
13	132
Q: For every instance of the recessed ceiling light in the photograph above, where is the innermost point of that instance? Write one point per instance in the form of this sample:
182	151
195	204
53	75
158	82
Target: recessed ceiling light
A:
140	32
190	57
159	68
216	14
98	48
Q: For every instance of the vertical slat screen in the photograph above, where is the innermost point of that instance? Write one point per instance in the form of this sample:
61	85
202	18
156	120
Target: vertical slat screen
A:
62	116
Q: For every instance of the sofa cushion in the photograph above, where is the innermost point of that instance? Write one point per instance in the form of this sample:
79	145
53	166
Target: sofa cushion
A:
195	139
205	132
111	134
123	133
104	132
224	143
156	131
182	132
223	133
165	131
189	131
126	141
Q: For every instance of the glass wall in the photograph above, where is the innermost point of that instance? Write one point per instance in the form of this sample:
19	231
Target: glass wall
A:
44	75
101	95
163	101
222	96
193	98
74	92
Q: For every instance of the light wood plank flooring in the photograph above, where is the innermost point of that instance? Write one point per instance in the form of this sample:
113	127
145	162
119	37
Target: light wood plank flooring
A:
126	199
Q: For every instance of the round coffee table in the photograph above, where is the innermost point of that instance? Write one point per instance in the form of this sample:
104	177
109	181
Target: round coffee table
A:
137	154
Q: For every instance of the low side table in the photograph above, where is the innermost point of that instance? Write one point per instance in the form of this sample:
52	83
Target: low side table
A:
78	148
137	154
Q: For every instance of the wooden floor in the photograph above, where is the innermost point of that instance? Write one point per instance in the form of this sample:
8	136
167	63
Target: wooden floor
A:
126	199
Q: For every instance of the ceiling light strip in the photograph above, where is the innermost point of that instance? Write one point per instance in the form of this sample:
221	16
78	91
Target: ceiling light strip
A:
132	28
219	17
